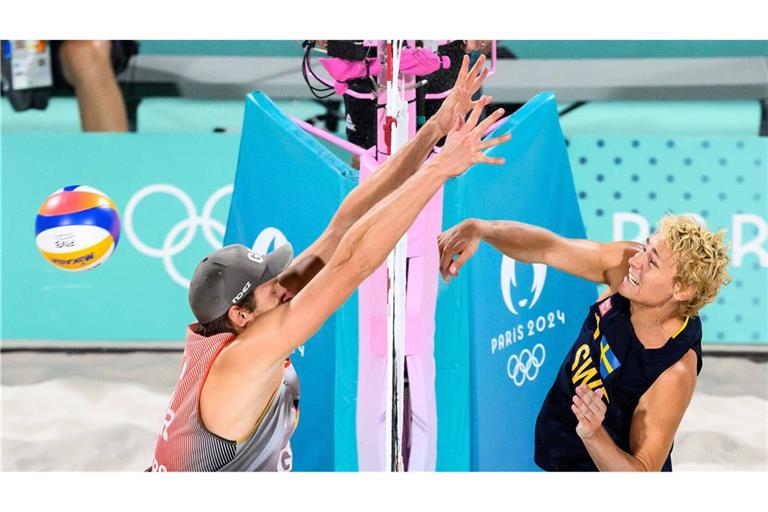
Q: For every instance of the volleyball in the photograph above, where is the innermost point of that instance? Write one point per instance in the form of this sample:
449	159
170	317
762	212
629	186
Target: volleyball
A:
77	228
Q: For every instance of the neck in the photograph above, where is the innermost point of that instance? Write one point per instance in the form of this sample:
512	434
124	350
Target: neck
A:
654	325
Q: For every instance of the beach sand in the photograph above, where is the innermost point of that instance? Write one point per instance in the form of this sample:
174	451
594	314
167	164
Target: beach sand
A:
102	412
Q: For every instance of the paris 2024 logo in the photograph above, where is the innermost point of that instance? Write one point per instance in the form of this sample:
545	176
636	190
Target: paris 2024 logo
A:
522	285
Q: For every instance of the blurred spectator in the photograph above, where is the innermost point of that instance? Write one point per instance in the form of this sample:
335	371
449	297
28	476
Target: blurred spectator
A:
91	68
33	70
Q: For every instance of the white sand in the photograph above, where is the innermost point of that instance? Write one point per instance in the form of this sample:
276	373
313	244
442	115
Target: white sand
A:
726	425
101	412
84	412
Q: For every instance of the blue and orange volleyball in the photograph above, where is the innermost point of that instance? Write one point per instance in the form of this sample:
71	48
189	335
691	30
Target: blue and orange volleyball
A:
77	228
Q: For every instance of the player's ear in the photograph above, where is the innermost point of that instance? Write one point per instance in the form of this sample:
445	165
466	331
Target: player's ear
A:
682	293
238	316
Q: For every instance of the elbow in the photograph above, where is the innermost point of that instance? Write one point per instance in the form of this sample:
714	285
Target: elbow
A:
641	465
339	225
362	259
548	249
363	266
354	259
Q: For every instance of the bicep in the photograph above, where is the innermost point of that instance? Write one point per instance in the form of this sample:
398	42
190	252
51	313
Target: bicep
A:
660	411
604	263
324	294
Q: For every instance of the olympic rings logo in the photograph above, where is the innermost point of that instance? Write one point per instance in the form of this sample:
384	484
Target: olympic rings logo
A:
171	247
525	366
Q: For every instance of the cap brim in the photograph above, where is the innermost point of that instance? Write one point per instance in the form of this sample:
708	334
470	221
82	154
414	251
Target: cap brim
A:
277	261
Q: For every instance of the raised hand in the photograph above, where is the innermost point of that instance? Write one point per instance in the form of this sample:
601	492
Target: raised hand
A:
462	240
589	409
459	101
464	146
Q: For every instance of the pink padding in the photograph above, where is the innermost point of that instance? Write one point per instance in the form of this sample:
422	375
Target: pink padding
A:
421	61
421	371
438	95
421	301
343	70
343	144
414	61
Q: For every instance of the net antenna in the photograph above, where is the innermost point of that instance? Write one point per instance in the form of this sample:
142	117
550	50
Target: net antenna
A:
396	136
392	70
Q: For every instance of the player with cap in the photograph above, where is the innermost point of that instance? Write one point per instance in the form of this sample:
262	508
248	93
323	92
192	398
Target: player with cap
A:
235	405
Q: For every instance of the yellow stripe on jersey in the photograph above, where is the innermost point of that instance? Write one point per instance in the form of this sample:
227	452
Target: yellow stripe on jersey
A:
682	327
597	329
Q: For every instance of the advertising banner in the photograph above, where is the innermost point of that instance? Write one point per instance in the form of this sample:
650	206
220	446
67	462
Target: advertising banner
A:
523	317
625	184
287	188
172	194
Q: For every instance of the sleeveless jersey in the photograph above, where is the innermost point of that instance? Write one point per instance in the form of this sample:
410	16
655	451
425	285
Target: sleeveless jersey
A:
184	444
607	355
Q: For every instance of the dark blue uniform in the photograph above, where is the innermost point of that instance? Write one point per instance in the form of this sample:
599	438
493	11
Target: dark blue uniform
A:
607	355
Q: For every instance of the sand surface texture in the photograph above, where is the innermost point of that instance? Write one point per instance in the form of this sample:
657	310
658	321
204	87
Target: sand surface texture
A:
102	412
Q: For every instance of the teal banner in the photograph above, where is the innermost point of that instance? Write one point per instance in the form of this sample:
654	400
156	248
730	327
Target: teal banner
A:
522	317
626	184
287	188
172	193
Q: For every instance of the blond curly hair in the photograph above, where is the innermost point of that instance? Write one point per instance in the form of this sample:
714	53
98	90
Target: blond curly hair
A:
702	259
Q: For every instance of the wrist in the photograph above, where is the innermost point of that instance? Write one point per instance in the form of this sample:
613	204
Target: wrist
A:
433	128
483	229
593	437
440	165
435	171
477	228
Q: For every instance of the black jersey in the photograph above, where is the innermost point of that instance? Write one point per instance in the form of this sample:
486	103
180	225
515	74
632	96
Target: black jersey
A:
607	355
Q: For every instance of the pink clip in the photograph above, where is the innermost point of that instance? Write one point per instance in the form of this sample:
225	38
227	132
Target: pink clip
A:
342	70
340	87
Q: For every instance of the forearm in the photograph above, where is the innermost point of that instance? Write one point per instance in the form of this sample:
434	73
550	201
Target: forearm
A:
392	173
519	241
607	456
387	178
372	237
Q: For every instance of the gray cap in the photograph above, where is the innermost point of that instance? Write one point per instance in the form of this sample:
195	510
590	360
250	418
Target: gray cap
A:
226	276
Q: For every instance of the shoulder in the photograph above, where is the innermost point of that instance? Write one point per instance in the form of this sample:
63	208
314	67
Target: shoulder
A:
256	351
683	371
676	384
239	368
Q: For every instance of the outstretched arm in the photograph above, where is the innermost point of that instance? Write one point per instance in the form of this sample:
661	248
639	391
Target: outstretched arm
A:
605	263
392	173
249	368
366	244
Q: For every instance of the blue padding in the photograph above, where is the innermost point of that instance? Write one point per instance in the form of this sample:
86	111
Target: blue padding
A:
534	186
287	180
101	216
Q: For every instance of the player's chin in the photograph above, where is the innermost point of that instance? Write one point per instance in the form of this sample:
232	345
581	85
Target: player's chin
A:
626	288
